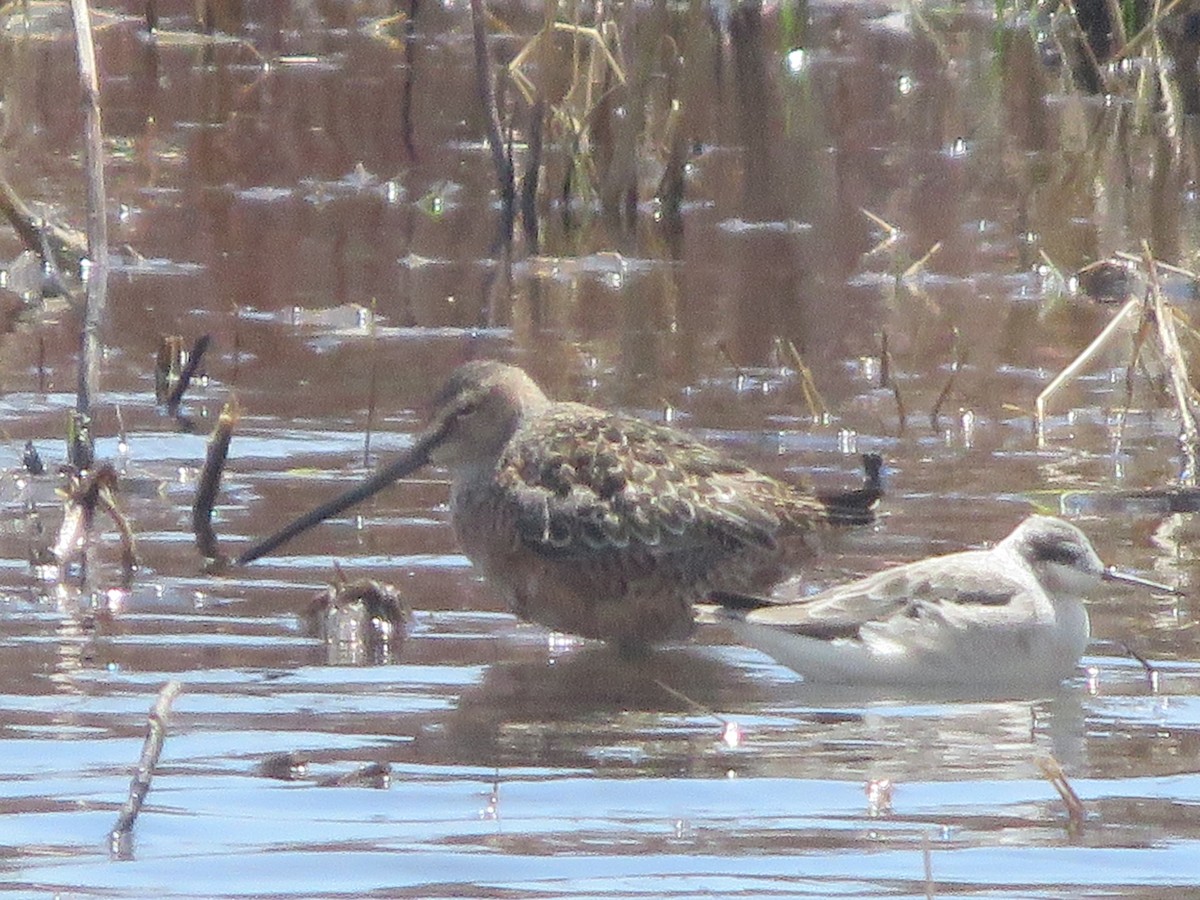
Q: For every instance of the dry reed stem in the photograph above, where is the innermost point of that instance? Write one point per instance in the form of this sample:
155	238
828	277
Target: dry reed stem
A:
1132	305
129	560
1083	45
818	411
1150	28
485	81
920	264
1176	365
156	732
730	730
891	232
97	227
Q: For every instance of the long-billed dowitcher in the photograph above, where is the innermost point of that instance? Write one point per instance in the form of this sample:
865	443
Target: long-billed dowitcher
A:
591	522
1011	615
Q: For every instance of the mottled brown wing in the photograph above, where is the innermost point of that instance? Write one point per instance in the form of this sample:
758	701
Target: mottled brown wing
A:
580	480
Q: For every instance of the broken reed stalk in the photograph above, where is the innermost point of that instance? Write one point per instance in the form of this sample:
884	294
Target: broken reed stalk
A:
55	246
960	358
210	483
97	231
129	559
1053	772
156	732
485	80
187	373
1132	305
818	411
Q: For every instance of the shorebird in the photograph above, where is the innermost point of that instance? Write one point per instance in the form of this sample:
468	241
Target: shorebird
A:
1011	615
591	522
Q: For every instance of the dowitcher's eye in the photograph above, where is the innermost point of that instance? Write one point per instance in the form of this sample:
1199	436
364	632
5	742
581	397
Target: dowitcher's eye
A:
468	409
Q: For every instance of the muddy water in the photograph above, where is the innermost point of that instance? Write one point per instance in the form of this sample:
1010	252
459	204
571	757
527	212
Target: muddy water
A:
326	238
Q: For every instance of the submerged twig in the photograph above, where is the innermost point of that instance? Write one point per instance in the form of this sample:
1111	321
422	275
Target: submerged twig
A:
156	732
57	247
891	232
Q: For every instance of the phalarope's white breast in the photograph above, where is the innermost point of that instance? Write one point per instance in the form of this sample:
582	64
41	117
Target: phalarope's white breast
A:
1013	614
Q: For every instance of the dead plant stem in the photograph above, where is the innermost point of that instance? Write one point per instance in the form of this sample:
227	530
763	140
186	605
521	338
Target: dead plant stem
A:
97	223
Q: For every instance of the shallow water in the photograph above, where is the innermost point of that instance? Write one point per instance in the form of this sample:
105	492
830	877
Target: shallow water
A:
275	208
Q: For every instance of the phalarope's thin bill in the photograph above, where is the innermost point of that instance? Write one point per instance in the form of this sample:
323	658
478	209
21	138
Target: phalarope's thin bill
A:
1011	615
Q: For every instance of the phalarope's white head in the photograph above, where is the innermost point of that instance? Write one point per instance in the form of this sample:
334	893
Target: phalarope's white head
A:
1011	615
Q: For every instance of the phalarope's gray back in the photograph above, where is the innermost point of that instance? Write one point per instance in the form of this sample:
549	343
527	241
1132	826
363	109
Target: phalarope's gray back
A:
591	522
1011	615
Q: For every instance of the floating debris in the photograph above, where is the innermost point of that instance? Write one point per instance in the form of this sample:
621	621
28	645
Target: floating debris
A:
32	461
289	766
83	497
376	775
360	621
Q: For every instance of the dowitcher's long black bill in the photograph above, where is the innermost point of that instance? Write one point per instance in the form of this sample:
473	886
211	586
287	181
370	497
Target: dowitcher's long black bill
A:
1114	574
405	464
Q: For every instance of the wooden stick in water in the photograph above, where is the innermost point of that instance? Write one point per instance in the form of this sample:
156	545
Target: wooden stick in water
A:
210	483
156	732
